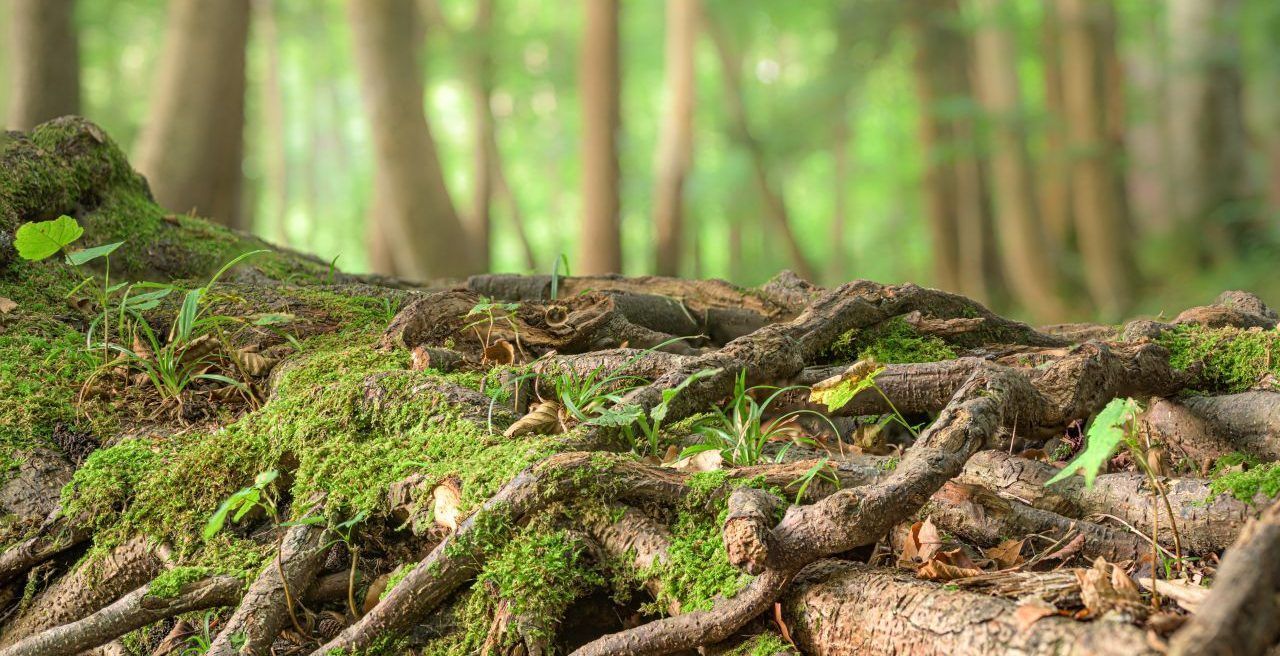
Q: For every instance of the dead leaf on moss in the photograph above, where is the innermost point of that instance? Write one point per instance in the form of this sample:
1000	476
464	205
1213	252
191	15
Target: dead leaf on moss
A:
448	503
7	305
701	462
542	419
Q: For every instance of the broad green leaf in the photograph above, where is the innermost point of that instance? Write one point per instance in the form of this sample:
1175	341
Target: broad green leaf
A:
248	502
837	392
1104	436
624	416
37	241
219	517
265	478
272	318
90	254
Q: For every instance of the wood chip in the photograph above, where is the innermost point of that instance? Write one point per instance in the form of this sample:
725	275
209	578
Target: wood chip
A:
448	503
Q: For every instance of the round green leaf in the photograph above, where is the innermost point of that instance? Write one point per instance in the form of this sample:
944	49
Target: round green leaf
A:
37	241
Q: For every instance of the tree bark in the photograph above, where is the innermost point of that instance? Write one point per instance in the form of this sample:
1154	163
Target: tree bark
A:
600	241
484	144
44	62
1028	260
1206	123
675	139
192	146
1098	200
420	224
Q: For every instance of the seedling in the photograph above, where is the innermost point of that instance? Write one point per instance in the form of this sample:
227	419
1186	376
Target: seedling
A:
490	312
630	417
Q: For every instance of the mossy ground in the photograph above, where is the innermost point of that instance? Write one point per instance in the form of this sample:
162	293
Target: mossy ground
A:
1230	359
1247	484
893	342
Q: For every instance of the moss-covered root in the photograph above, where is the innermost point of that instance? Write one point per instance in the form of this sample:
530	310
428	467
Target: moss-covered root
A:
70	166
144	606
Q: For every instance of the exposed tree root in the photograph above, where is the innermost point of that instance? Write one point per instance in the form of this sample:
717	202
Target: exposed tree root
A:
839	608
268	605
1238	618
1207	427
132	611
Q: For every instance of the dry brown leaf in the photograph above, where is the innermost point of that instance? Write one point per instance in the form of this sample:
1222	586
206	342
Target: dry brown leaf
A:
542	419
940	570
927	539
672	455
1007	554
376	589
199	349
500	352
701	462
1158	461
254	364
142	349
1032	611
7	305
448	503
1102	590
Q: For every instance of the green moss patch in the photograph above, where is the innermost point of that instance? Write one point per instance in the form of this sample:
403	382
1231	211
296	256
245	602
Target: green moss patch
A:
170	583
1230	359
1245	485
893	342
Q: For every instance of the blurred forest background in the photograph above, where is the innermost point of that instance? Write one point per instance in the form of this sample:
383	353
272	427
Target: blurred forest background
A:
1060	159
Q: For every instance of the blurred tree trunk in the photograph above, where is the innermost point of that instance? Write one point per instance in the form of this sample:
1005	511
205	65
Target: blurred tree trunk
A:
191	148
273	110
953	179
775	204
1054	174
675	140
1097	193
421	228
479	223
600	241
1207	129
1147	135
1027	257
44	62
503	188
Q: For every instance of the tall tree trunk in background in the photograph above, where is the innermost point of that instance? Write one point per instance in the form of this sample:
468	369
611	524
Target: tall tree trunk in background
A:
1207	126
503	188
1028	259
600	240
775	204
675	140
419	222
940	78
191	148
1147	132
44	62
273	110
1098	198
479	223
1054	173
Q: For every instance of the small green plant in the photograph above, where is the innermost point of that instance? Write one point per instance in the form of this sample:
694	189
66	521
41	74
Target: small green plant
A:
1116	427
489	313
859	378
200	642
822	471
345	532
631	417
41	240
742	432
555	274
258	495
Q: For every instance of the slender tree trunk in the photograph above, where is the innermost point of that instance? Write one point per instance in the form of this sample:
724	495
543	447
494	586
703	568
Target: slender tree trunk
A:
1027	258
1055	174
44	62
838	268
273	110
420	224
939	69
600	241
675	140
1206	123
192	147
775	204
503	188
479	223
1147	137
1099	200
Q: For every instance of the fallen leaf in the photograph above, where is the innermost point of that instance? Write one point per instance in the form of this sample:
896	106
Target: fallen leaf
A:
448	503
542	419
672	455
254	364
1103	590
928	540
939	570
7	305
1030	612
1007	554
701	462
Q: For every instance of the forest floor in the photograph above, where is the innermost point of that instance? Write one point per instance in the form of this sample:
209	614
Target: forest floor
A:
280	458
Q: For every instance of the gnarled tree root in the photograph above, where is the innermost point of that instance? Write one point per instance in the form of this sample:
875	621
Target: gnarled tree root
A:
837	608
132	611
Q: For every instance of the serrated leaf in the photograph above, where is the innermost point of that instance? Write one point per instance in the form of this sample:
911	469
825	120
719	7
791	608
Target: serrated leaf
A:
37	241
90	254
1104	436
624	416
